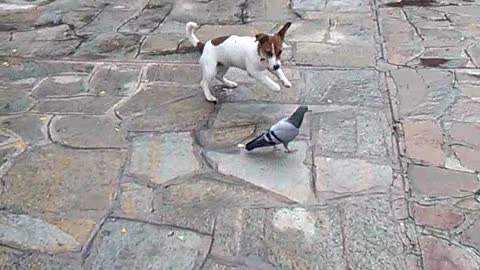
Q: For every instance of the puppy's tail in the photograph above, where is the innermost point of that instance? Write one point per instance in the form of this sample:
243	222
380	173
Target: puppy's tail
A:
191	36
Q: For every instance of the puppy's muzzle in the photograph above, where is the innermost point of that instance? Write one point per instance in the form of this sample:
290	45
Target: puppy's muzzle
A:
275	67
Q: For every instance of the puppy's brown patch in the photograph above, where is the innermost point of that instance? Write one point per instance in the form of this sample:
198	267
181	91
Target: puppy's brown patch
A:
269	45
219	40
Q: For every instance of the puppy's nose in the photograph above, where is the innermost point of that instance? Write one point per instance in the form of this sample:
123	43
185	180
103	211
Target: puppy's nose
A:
277	66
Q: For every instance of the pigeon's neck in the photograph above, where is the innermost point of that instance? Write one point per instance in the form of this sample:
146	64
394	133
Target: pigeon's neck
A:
296	119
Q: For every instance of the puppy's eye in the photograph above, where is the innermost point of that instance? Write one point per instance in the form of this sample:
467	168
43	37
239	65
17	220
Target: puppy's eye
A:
280	52
270	54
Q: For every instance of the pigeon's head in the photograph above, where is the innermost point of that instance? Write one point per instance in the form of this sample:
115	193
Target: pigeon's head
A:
302	109
297	117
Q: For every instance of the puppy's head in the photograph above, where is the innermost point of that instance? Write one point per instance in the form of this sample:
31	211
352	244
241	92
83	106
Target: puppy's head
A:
270	46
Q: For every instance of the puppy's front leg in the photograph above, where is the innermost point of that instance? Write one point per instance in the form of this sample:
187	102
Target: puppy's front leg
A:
263	78
281	76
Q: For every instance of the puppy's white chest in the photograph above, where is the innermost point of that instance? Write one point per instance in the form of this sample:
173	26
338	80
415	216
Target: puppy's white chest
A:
237	51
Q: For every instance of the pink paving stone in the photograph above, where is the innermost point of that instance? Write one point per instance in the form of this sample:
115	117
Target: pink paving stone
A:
469	157
440	217
433	181
423	140
441	255
464	133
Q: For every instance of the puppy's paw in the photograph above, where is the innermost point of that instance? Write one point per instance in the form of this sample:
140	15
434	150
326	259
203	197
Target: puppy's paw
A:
276	88
231	84
287	84
211	99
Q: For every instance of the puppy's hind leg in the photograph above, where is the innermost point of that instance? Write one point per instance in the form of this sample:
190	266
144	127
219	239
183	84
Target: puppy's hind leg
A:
222	70
209	70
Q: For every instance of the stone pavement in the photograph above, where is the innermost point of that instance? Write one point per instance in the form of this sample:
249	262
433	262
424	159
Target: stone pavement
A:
112	159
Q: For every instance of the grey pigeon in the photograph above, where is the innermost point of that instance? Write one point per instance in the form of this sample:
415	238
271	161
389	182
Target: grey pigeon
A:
283	132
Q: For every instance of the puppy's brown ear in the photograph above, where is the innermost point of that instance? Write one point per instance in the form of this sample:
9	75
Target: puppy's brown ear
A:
284	29
261	37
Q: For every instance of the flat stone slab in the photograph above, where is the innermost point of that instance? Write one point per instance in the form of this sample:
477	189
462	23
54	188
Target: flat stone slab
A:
330	237
309	53
160	107
353	133
336	5
148	19
343	87
285	174
471	236
441	255
83	131
50	179
161	158
196	202
136	199
115	80
424	94
61	86
433	181
207	12
224	137
109	45
423	141
12	102
440	217
32	128
25	232
86	105
351	176
156	247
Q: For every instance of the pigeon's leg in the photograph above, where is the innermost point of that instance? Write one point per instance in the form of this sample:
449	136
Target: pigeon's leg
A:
287	150
222	70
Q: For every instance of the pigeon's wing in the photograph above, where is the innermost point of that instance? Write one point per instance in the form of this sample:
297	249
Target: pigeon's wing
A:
284	131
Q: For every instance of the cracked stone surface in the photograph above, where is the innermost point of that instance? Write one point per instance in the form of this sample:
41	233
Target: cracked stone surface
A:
111	158
156	247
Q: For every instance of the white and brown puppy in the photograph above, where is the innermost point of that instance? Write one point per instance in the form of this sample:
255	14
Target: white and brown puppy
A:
256	55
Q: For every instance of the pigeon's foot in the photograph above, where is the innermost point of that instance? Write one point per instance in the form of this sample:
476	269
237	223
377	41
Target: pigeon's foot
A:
290	151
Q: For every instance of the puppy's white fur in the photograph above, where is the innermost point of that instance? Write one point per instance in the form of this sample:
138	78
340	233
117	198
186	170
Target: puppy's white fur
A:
236	51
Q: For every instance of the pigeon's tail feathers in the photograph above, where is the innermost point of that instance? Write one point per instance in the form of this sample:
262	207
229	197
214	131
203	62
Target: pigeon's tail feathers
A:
191	26
258	142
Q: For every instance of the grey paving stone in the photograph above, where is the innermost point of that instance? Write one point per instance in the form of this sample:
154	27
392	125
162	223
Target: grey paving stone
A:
424	94
159	107
207	12
82	131
25	232
50	179
147	20
115	80
224	137
288	175
351	176
329	237
197	202
15	101
87	105
162	158
32	128
343	87
156	247
61	86
109	45
432	181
